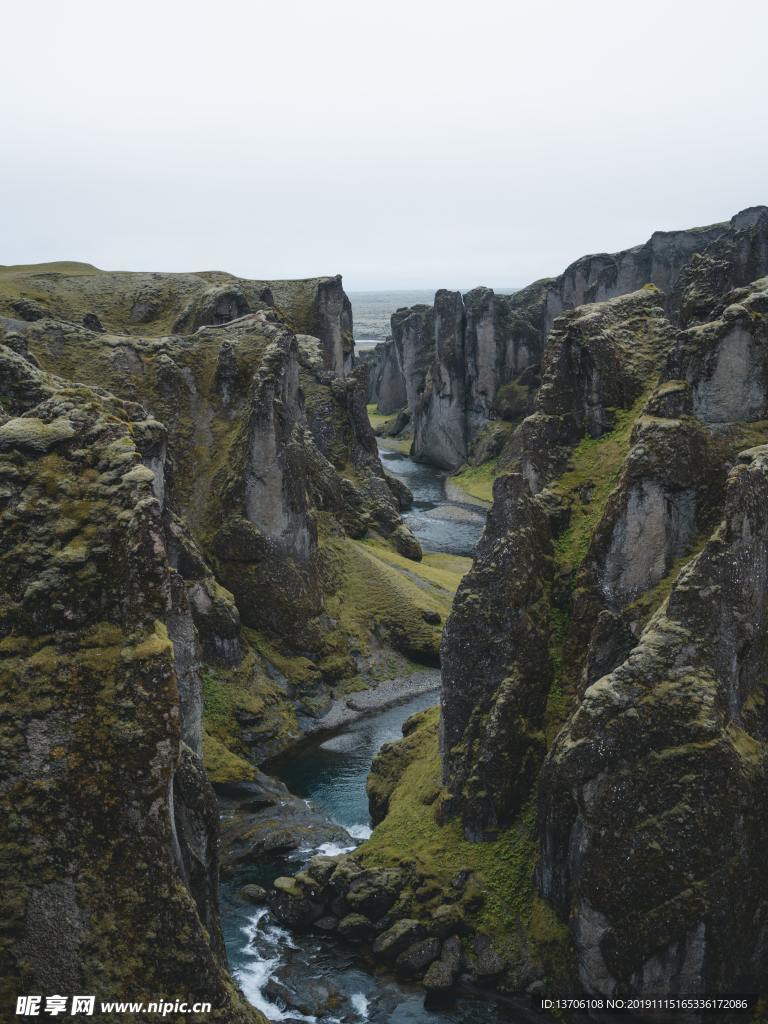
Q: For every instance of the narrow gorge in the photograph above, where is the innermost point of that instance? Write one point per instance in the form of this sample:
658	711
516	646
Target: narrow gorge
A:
411	687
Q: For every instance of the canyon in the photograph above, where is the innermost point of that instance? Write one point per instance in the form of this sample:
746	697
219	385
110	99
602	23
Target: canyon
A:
207	558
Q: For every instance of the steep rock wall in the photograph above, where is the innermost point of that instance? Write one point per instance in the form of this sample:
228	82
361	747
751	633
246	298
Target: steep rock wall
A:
271	473
651	629
500	339
672	899
108	815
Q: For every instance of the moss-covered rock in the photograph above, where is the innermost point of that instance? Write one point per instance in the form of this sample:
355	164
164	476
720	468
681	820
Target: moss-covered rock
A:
676	732
250	445
110	827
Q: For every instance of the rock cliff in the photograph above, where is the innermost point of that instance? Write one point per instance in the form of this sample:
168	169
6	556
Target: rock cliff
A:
276	483
200	553
471	363
386	387
110	825
158	304
621	583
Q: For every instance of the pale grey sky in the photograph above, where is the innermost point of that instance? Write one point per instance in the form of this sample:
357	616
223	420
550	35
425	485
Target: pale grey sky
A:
406	143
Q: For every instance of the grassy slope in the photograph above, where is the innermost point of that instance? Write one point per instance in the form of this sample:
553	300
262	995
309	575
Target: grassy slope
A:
384	592
379	423
595	464
476	481
378	606
499	890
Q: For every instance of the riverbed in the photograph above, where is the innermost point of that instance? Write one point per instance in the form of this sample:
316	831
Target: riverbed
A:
316	979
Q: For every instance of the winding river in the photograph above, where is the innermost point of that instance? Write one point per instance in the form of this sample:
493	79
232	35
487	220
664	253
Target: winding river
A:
315	979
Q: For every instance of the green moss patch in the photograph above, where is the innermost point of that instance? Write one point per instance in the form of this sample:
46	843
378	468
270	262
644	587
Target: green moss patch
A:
594	469
435	570
221	764
238	699
378	420
374	598
477	481
499	874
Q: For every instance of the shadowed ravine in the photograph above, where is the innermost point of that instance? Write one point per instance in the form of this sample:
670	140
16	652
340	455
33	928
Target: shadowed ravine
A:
314	978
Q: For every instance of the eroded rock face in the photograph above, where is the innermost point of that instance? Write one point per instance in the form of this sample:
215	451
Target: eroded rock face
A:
621	594
108	815
386	389
485	359
266	468
496	669
156	304
734	259
439	420
333	318
724	360
256	430
649	835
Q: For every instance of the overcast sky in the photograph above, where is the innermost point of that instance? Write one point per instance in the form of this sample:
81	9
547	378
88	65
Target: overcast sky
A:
404	143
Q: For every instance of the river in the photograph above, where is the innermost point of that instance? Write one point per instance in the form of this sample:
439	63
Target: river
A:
316	979
440	523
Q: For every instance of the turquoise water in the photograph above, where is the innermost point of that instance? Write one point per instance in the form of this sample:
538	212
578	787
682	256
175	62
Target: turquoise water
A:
281	973
331	773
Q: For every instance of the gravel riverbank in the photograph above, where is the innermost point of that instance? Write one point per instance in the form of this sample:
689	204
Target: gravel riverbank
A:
350	708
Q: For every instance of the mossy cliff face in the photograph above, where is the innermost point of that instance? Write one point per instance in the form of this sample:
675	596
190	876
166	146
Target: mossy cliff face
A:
271	471
472	361
497	636
584	813
651	630
651	838
504	633
110	826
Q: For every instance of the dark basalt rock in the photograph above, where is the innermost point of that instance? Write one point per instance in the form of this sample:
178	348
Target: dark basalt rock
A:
355	927
92	323
113	817
412	962
403	934
496	671
469	360
639	577
674	731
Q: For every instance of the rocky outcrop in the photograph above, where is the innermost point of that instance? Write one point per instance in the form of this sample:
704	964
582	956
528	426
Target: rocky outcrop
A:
497	638
386	387
108	816
602	728
598	362
649	837
482	363
619	594
362	905
156	304
724	361
440	431
414	344
734	259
